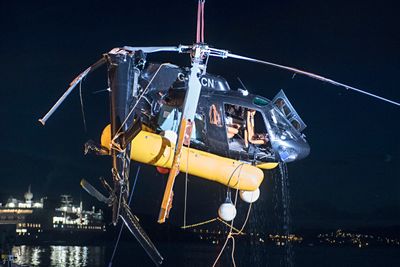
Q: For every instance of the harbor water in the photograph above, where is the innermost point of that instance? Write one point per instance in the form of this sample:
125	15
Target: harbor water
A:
184	254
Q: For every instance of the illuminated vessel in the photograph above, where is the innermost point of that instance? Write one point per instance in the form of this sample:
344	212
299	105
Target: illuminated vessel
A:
42	220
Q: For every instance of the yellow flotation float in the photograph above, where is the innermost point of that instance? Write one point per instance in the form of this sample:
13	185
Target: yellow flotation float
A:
156	150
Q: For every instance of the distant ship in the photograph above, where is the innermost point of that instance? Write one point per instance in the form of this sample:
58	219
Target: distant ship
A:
46	221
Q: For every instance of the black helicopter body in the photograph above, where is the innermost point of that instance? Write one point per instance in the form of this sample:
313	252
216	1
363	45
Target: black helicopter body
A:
281	125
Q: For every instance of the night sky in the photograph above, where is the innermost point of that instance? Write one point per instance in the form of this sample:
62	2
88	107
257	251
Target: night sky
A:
353	171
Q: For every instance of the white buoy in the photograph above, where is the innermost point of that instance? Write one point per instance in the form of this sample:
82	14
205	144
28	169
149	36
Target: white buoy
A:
249	196
227	211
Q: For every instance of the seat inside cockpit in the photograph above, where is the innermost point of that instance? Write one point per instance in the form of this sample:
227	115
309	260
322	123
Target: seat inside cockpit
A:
245	128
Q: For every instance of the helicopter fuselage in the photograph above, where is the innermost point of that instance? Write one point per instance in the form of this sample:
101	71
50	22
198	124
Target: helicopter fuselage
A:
228	123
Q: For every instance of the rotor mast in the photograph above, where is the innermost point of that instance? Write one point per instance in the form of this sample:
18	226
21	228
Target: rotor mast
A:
198	54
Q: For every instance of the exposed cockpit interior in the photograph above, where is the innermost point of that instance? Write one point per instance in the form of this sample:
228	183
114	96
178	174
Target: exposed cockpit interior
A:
245	129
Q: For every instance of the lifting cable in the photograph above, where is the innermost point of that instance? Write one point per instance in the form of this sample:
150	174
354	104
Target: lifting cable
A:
200	22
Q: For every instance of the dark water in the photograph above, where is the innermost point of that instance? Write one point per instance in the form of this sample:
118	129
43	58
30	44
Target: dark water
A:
129	254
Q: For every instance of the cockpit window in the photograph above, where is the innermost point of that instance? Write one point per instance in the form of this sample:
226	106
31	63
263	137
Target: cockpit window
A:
279	102
282	103
286	110
295	124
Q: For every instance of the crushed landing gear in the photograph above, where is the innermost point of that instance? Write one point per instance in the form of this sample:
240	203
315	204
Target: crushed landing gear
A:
127	217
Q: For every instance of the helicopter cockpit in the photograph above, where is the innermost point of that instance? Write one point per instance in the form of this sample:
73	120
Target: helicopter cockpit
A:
247	133
244	127
265	130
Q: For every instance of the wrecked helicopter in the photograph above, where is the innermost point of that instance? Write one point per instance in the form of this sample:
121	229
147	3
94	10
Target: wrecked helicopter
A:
184	119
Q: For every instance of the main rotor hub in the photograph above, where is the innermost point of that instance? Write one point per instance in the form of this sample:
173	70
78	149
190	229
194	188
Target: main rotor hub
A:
199	55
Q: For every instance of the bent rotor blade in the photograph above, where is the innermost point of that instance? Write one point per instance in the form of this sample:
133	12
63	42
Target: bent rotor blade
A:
94	192
185	128
168	195
71	87
153	49
309	74
134	227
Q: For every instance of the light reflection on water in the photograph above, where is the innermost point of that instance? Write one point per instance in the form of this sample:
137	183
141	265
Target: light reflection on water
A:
60	256
35	260
199	255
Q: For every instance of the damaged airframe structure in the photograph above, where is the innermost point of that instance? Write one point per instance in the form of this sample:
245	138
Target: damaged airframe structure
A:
184	119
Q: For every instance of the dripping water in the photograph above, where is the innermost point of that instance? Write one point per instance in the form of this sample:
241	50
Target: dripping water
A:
269	215
288	260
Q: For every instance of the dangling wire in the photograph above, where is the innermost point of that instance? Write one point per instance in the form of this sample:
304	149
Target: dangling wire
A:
122	224
102	90
82	109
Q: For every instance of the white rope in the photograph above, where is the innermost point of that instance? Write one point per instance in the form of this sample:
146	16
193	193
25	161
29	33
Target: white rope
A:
233	252
245	221
222	249
231	234
213	220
